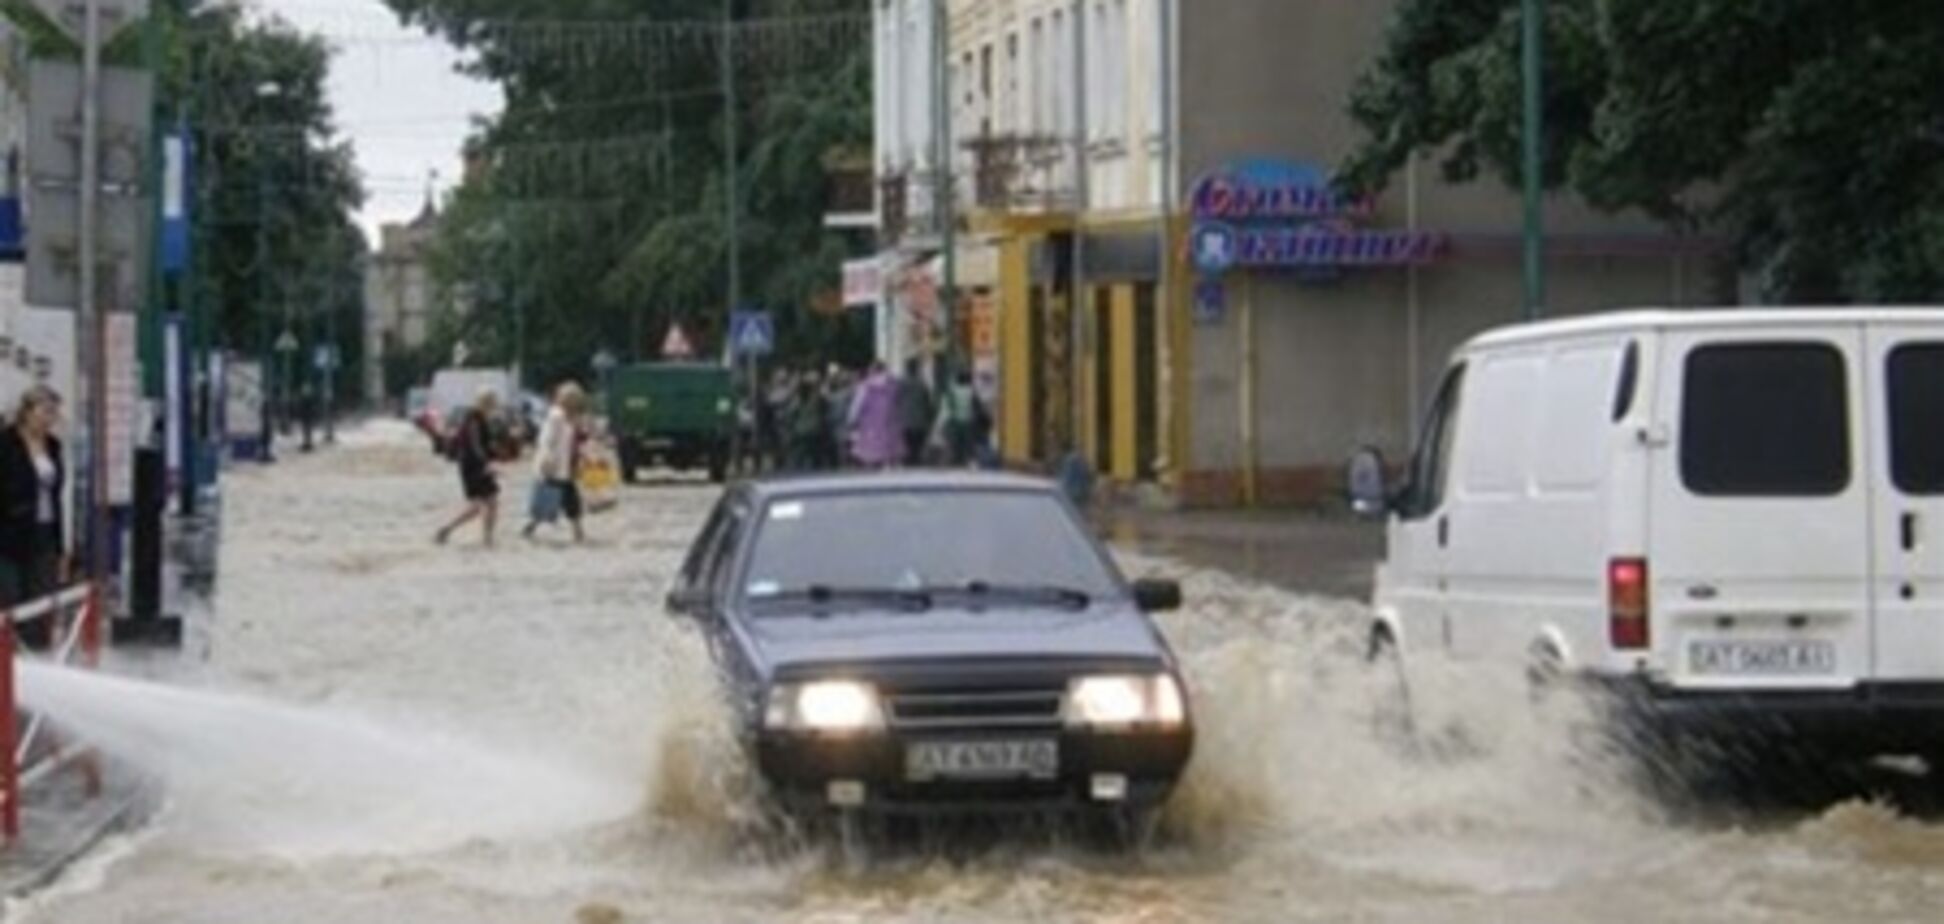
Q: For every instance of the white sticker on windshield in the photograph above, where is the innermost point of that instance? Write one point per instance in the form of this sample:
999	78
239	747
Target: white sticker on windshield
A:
765	589
791	511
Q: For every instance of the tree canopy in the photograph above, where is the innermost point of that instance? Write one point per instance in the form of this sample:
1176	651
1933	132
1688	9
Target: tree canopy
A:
275	192
594	211
252	93
1811	133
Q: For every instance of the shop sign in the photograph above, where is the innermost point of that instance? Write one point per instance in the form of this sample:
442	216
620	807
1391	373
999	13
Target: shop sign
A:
1279	215
984	315
863	282
1211	303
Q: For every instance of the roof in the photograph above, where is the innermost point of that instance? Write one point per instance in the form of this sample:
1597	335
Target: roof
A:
1732	319
893	482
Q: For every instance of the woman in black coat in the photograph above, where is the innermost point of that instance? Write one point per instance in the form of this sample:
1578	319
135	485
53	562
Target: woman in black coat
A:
33	482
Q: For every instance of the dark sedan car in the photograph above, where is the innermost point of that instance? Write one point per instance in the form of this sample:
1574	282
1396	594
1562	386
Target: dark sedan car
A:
950	642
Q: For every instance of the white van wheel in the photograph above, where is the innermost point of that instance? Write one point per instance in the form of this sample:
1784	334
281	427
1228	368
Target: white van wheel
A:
1544	671
1392	718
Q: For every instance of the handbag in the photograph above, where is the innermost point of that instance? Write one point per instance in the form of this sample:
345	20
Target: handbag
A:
543	505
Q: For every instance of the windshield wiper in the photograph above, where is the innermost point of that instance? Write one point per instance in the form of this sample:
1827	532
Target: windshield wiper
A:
826	597
1067	598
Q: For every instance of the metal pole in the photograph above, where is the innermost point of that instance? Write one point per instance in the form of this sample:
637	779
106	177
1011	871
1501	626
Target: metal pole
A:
1535	256
265	394
93	316
328	400
1164	241
945	205
733	198
1082	183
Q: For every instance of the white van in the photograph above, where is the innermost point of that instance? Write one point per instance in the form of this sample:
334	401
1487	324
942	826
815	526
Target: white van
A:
1728	515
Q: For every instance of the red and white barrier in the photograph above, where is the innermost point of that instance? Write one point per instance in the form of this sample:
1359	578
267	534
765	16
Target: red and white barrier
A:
32	754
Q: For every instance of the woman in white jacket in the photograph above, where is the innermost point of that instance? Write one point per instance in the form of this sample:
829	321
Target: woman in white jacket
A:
557	461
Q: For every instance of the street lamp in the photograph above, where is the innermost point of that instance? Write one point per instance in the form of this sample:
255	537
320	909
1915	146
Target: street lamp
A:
1532	24
265	92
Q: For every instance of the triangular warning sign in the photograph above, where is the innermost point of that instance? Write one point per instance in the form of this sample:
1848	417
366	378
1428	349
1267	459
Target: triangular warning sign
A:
676	345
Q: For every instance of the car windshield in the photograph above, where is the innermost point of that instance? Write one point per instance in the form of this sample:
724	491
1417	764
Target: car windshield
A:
1019	545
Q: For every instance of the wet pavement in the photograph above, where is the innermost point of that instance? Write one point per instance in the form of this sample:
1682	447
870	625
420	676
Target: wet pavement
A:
1304	552
463	736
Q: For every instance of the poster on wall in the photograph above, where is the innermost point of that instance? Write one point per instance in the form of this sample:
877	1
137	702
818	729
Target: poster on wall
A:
127	413
243	403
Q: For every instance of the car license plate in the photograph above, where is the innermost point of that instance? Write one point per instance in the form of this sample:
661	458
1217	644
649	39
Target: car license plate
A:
991	759
1792	659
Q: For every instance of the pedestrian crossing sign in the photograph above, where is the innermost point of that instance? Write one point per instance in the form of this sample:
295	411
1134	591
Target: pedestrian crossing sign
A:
751	333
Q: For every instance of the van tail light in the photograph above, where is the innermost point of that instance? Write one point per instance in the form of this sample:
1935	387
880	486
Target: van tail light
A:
1627	610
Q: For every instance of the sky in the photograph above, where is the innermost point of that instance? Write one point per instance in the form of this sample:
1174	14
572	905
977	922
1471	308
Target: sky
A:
397	98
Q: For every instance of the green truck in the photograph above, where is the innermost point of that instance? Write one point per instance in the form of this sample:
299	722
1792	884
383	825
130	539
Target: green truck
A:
682	415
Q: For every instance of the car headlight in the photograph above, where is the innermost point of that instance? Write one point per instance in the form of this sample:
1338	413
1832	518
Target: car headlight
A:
1126	701
834	707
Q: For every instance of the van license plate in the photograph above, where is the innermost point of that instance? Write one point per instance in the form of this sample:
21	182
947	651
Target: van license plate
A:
1793	659
995	759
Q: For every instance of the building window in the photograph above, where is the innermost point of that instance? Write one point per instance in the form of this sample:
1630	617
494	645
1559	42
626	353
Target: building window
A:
1057	71
1010	115
1039	89
1098	64
986	107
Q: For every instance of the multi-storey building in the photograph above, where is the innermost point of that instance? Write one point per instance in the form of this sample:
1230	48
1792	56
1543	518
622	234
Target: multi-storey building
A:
1155	269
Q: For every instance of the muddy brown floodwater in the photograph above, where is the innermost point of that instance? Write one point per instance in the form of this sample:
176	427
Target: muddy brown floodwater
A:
334	601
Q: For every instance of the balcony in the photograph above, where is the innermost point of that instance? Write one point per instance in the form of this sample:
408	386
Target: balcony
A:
1021	173
851	196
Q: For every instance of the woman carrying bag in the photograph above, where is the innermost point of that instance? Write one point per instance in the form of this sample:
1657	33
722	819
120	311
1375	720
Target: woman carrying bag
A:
555	491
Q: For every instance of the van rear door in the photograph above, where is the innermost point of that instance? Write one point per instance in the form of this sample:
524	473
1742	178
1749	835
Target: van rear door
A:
1906	372
1759	561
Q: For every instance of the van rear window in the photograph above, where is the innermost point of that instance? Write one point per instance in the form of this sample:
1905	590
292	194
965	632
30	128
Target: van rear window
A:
1916	374
1765	420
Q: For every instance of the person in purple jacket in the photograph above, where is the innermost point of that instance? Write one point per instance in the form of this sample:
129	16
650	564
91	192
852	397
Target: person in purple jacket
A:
875	438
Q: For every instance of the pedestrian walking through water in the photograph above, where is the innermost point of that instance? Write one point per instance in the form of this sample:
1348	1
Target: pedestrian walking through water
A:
809	418
556	463
914	413
33	478
474	453
875	440
961	426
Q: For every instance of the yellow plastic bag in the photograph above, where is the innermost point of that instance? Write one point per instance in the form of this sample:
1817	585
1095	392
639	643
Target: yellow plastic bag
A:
599	481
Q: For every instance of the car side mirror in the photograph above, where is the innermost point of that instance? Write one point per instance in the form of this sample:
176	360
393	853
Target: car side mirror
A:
1157	596
1368	481
690	601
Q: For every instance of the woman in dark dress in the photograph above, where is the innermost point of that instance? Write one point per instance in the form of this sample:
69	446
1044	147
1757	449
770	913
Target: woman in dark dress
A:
474	453
33	479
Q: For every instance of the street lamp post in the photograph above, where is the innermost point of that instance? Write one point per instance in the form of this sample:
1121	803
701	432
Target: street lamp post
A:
1532	53
265	92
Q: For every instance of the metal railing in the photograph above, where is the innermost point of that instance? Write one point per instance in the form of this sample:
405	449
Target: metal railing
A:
34	754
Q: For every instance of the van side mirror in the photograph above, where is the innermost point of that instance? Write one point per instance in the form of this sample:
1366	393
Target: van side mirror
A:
1368	480
1153	596
688	601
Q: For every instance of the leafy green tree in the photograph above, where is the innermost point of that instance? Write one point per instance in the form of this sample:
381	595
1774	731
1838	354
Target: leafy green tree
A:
263	160
1811	133
594	215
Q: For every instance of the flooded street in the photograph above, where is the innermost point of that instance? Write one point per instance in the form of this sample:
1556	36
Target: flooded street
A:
391	731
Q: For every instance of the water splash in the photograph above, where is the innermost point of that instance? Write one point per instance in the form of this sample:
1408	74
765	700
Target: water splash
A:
254	775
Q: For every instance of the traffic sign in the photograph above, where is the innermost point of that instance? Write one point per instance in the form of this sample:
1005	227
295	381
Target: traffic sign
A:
325	357
54	99
751	333
287	343
115	15
676	345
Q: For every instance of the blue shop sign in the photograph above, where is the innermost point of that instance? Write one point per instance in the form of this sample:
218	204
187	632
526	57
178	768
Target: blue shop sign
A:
1280	215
